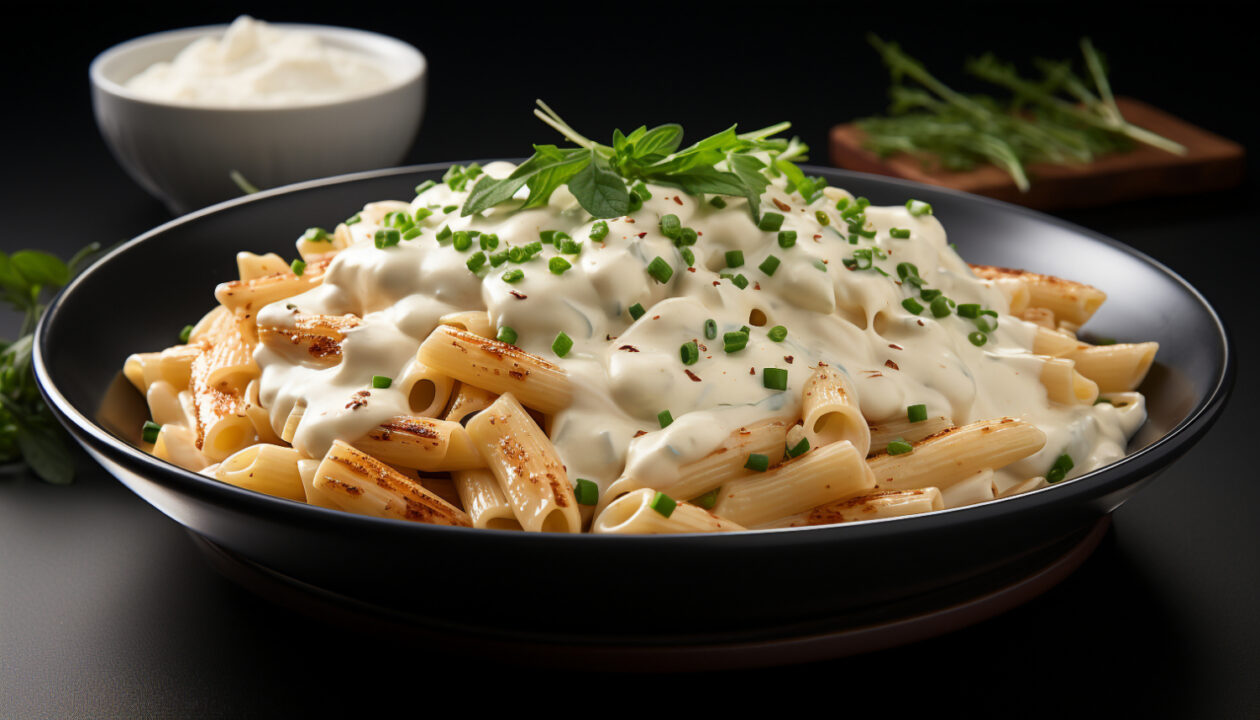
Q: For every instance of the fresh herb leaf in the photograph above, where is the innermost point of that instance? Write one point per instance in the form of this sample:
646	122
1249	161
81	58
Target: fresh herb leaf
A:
599	190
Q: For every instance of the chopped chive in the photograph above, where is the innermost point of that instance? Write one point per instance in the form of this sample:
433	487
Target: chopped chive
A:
357	217
476	261
688	236
461	241
514	275
822	217
734	258
899	233
298	267
912	306
489	241
769	265
660	270
758	462
443	233
506	335
770	222
710	329
185	334
412	233
552	237
899	447
709	499
450	209
863	203
149	431
916	413
425	186
636	311
928	295
670	226
774	378
562	344
585	492
663	504
690	352
1060	469
906	270
688	256
969	310
642	191
734	341
664	418
717	202
820	265
316	234
842	203
978	338
599	230
532	249
387	237
636	203
497	259
746	330
986	324
558	265
422	213
778	333
918	208
740	281
381	382
940	307
570	247
799	448
787	238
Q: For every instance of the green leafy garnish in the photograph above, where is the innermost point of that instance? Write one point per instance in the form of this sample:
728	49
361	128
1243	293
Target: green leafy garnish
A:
606	179
28	430
1038	124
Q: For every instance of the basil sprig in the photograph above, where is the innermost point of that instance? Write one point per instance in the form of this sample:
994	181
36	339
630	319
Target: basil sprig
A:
600	176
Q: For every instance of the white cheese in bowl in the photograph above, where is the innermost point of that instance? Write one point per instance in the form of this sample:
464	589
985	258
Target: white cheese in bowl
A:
257	65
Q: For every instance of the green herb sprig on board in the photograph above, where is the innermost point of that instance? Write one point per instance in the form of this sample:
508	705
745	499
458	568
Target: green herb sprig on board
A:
28	430
1058	119
604	178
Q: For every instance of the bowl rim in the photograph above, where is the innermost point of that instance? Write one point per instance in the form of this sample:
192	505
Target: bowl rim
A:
106	84
1142	464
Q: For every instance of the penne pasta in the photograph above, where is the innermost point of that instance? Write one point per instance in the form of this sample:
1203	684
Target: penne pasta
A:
421	444
958	453
826	474
265	468
1072	302
359	483
633	513
1115	368
830	412
868	506
497	367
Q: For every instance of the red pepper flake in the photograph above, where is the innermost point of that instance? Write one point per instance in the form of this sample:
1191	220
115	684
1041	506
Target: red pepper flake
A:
891	364
788	359
752	371
641	433
895	346
629	348
782	205
518	295
691	269
921	323
817	238
642	235
756	285
873	373
656	317
716	283
628	219
678	200
693	376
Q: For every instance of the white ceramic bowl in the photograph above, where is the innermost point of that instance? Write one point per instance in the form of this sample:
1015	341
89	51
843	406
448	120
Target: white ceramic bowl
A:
185	154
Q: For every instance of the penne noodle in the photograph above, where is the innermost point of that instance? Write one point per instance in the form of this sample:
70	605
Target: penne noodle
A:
1070	301
633	513
830	411
250	266
484	501
1040	317
969	491
251	295
177	444
1053	343
1115	368
822	475
359	483
466	400
268	469
427	391
497	367
476	322
868	506
1065	385
958	453
902	429
421	444
527	466
316	338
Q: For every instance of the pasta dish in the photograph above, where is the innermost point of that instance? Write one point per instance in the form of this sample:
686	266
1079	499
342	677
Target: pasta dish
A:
693	364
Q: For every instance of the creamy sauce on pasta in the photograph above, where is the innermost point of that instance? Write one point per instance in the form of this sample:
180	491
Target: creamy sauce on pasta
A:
626	371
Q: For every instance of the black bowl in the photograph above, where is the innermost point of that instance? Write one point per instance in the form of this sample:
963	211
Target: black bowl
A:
650	591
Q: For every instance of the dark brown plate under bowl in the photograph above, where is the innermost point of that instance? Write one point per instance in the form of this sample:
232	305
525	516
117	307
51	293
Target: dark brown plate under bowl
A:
626	597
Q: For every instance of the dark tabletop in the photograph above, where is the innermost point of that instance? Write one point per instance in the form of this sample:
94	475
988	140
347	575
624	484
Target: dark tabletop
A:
107	609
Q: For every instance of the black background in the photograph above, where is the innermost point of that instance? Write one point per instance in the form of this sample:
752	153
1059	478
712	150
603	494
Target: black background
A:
106	610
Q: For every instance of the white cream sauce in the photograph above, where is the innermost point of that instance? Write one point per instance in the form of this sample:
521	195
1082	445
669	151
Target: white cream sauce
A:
850	319
257	65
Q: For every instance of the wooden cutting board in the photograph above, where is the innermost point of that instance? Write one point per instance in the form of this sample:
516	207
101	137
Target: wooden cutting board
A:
1211	163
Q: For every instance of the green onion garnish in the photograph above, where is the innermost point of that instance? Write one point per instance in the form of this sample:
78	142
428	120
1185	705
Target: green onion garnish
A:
799	448
787	238
387	237
149	431
709	499
734	341
506	335
822	217
660	270
422	213
717	202
425	186
912	306
899	447
461	241
663	504
298	267
599	230
777	333
642	191
636	311
978	338
476	261
381	382
586	492
929	294
918	208
820	265
185	334
443	233
770	222
940	307
316	234
916	413
558	265
774	378
769	265
670	226
969	310
412	233
734	258
899	233
688	236
758	462
497	259
687	256
562	344
570	247
357	217
1060	469
690	352
513	276
450	209
664	418
489	241
738	279
710	328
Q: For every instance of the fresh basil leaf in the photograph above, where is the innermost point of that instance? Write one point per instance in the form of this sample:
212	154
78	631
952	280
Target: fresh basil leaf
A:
708	180
44	449
40	268
489	192
546	180
599	190
658	143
